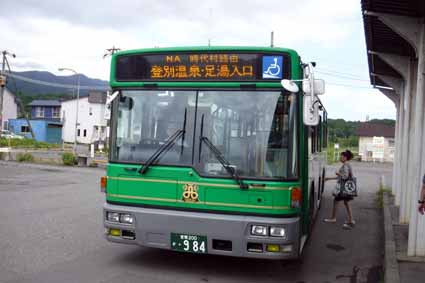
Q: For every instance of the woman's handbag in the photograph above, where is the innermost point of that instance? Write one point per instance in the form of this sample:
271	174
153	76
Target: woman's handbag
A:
349	187
346	188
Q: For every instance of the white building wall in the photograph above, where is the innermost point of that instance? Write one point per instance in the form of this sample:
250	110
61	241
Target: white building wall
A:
90	116
10	107
366	147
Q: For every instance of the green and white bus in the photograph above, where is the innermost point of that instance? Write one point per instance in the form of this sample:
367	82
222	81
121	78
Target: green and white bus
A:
214	150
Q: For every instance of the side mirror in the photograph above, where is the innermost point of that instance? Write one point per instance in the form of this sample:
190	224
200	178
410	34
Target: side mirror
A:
109	100
311	111
289	85
126	103
319	86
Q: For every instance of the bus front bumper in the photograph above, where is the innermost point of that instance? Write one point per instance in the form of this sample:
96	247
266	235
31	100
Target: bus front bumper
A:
225	234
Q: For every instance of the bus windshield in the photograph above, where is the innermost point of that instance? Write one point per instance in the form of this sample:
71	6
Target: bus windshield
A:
255	131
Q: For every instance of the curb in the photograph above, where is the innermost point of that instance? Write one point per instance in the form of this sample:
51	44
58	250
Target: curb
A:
392	274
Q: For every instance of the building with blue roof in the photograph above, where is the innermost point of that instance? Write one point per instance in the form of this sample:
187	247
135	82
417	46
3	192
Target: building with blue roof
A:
45	122
46	109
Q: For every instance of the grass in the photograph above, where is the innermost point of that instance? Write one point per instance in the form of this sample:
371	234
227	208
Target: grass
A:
25	157
380	195
27	143
69	159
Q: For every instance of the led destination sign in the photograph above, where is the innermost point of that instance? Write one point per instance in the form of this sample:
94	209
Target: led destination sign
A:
202	67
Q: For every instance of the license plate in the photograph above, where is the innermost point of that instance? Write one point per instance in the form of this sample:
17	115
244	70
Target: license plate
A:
189	243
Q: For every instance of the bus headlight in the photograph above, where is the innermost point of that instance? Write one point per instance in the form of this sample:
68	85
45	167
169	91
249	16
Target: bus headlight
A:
126	218
258	230
277	232
113	217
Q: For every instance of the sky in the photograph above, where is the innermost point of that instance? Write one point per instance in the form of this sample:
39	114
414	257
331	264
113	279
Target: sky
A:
50	34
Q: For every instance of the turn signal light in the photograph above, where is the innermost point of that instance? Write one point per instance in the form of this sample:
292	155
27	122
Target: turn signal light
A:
103	182
296	197
273	248
115	232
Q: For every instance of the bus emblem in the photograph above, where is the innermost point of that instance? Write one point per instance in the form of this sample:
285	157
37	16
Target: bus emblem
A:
190	193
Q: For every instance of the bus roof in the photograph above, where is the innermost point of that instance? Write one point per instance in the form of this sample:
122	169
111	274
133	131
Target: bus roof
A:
207	48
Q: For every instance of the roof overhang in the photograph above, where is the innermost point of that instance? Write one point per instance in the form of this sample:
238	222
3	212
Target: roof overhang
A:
381	39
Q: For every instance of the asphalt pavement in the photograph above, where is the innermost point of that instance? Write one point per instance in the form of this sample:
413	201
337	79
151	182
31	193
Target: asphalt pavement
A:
51	231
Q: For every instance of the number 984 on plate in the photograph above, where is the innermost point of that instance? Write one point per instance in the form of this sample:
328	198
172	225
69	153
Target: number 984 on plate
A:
189	243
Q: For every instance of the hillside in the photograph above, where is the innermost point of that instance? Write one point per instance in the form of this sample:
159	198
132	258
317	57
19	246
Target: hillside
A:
344	132
34	90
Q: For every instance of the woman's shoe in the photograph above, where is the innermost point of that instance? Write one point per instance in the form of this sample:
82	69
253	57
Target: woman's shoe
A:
348	226
330	220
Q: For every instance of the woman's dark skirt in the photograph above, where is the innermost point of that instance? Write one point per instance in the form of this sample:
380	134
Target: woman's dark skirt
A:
344	198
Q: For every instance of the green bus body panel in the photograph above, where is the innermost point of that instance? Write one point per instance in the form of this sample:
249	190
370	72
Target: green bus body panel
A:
163	186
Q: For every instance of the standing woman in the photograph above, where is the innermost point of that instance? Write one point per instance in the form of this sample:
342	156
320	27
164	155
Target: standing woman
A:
344	173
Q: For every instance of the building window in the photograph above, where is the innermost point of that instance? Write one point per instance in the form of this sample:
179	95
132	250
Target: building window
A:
56	112
85	133
25	129
39	112
78	132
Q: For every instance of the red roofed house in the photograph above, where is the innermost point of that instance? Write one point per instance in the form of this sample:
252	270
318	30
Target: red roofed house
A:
376	142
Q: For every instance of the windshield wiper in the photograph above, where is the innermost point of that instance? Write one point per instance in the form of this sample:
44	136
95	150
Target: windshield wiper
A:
231	170
166	146
163	148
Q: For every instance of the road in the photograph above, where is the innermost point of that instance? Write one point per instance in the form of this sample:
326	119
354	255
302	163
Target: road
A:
51	231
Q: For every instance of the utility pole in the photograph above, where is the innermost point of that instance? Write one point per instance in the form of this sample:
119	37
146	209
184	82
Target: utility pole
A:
3	79
3	83
110	51
77	106
272	39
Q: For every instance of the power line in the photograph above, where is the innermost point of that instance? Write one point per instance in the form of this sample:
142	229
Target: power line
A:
350	86
339	72
66	86
341	76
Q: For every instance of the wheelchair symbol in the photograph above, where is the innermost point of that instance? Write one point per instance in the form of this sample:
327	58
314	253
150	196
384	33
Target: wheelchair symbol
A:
271	68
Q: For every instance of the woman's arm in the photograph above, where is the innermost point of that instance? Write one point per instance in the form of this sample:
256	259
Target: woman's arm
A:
331	178
421	206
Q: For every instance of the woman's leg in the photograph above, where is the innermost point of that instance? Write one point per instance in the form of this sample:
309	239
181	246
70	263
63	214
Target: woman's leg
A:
349	211
334	208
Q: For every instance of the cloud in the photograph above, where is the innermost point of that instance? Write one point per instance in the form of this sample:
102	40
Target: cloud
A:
50	34
76	33
355	104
